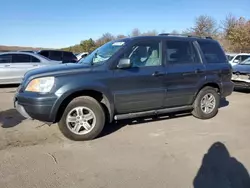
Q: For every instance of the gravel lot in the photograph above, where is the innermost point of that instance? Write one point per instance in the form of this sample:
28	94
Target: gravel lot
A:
166	152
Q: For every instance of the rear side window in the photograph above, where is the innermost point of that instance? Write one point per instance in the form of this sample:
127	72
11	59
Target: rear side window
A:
181	52
20	58
68	56
44	53
244	57
5	58
56	55
212	52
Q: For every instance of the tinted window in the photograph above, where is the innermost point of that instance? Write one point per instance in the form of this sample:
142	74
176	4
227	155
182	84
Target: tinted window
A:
144	54
20	58
244	57
55	55
212	52
68	56
5	58
34	59
44	53
238	58
181	52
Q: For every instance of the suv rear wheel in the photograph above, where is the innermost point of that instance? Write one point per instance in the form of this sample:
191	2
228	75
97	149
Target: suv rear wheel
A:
206	103
83	119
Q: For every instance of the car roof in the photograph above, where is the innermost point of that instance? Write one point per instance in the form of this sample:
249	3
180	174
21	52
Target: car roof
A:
161	36
26	53
54	51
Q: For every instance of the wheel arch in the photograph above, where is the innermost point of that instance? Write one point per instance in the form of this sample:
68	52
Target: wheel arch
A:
208	84
100	96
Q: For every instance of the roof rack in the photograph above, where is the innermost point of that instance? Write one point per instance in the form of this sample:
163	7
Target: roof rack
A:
182	35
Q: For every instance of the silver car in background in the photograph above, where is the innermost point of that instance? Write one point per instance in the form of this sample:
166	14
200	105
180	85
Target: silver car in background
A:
13	65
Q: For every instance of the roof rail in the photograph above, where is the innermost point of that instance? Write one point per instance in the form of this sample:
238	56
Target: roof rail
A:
183	35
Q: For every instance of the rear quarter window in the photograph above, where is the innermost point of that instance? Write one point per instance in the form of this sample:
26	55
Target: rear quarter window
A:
56	55
212	52
44	53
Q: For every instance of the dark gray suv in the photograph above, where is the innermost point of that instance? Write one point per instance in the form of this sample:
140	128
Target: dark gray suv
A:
128	78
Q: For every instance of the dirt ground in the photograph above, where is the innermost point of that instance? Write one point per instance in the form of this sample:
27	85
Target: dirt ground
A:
165	152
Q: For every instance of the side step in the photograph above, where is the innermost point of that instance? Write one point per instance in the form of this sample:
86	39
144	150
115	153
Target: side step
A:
152	112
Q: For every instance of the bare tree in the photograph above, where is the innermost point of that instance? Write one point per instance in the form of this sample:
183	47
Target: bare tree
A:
204	26
228	24
135	32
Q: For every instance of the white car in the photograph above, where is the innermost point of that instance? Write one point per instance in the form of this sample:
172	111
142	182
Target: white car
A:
81	55
13	65
236	58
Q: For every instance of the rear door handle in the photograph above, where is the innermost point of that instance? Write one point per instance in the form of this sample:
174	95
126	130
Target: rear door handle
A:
197	71
35	65
6	65
157	74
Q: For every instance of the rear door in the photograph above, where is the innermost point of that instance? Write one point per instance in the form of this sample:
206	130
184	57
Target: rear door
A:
217	66
184	71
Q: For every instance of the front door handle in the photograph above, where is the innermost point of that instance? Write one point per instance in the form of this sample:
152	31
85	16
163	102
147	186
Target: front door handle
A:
6	65
157	73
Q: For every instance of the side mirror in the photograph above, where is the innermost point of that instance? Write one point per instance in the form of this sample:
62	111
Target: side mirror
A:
236	61
124	63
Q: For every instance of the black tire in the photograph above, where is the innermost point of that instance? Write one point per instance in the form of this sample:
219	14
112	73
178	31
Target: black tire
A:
197	111
92	104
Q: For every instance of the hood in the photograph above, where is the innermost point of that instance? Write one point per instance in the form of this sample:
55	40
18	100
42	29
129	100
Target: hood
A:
241	68
59	69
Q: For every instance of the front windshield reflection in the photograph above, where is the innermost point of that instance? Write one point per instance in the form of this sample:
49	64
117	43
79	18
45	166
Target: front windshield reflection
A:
103	53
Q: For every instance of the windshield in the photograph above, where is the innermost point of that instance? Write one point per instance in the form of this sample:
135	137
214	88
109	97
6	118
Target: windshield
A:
103	53
246	62
230	57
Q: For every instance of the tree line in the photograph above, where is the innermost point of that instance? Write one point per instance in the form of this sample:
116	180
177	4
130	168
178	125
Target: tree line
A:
233	33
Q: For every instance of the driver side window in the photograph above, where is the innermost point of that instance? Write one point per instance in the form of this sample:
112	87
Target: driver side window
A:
144	54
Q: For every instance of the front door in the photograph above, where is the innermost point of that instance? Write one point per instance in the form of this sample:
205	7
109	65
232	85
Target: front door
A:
140	87
21	63
184	72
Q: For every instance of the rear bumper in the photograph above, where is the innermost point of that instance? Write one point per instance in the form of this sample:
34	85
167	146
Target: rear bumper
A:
35	106
227	88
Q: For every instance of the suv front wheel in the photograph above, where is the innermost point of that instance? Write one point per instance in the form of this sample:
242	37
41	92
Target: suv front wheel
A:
206	103
83	119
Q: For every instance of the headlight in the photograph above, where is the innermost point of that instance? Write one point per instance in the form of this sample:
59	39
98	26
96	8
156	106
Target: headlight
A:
42	85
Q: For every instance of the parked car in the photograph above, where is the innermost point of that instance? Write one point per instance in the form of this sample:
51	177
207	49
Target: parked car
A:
29	51
81	55
128	78
58	55
235	58
13	65
241	74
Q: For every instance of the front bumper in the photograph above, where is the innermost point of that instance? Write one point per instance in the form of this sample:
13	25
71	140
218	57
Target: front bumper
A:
242	84
21	110
35	106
